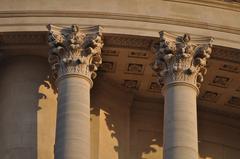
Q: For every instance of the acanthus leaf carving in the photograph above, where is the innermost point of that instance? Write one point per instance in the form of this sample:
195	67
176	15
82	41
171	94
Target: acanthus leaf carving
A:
180	59
75	50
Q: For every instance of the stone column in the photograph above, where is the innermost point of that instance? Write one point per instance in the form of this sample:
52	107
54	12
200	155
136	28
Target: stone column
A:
180	64
74	58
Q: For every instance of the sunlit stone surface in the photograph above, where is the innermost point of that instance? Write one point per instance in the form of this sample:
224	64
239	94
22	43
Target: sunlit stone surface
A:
124	112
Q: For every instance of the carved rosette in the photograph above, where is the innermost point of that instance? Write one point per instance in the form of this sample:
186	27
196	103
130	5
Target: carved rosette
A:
178	59
75	50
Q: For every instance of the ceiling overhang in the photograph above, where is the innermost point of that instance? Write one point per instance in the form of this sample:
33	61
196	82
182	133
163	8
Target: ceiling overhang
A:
126	61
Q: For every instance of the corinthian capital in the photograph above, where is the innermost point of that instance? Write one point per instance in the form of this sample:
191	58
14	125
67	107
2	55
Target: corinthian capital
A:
180	59
75	50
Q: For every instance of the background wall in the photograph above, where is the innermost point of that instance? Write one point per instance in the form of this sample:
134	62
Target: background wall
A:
219	136
146	129
122	126
113	105
27	109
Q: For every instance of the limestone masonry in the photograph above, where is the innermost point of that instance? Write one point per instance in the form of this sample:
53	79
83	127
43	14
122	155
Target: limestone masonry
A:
120	79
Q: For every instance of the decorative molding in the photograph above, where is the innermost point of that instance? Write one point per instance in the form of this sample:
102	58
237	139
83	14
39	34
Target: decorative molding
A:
138	54
230	68
224	53
109	52
222	4
21	38
75	50
221	81
155	87
131	84
179	59
108	66
135	68
210	96
127	17
132	42
233	1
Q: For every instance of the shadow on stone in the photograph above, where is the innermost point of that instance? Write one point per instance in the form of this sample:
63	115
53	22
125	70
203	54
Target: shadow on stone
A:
21	79
112	126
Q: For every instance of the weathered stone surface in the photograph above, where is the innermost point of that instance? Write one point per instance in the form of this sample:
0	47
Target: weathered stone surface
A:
74	57
75	50
180	65
178	59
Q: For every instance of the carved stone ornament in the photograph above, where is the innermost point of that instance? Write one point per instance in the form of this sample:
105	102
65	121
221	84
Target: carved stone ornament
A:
75	50
178	58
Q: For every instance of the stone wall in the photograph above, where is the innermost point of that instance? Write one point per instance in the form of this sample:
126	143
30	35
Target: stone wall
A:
122	126
218	136
27	109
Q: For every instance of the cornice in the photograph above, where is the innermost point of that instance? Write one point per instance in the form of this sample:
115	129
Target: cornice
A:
117	16
221	4
11	38
228	54
131	42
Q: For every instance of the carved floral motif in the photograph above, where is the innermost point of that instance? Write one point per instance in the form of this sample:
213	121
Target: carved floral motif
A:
108	66
131	84
179	59
210	96
135	68
230	68
75	50
221	81
155	87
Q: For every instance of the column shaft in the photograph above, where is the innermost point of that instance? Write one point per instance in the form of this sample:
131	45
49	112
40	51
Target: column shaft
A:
74	57
73	119
180	64
180	123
